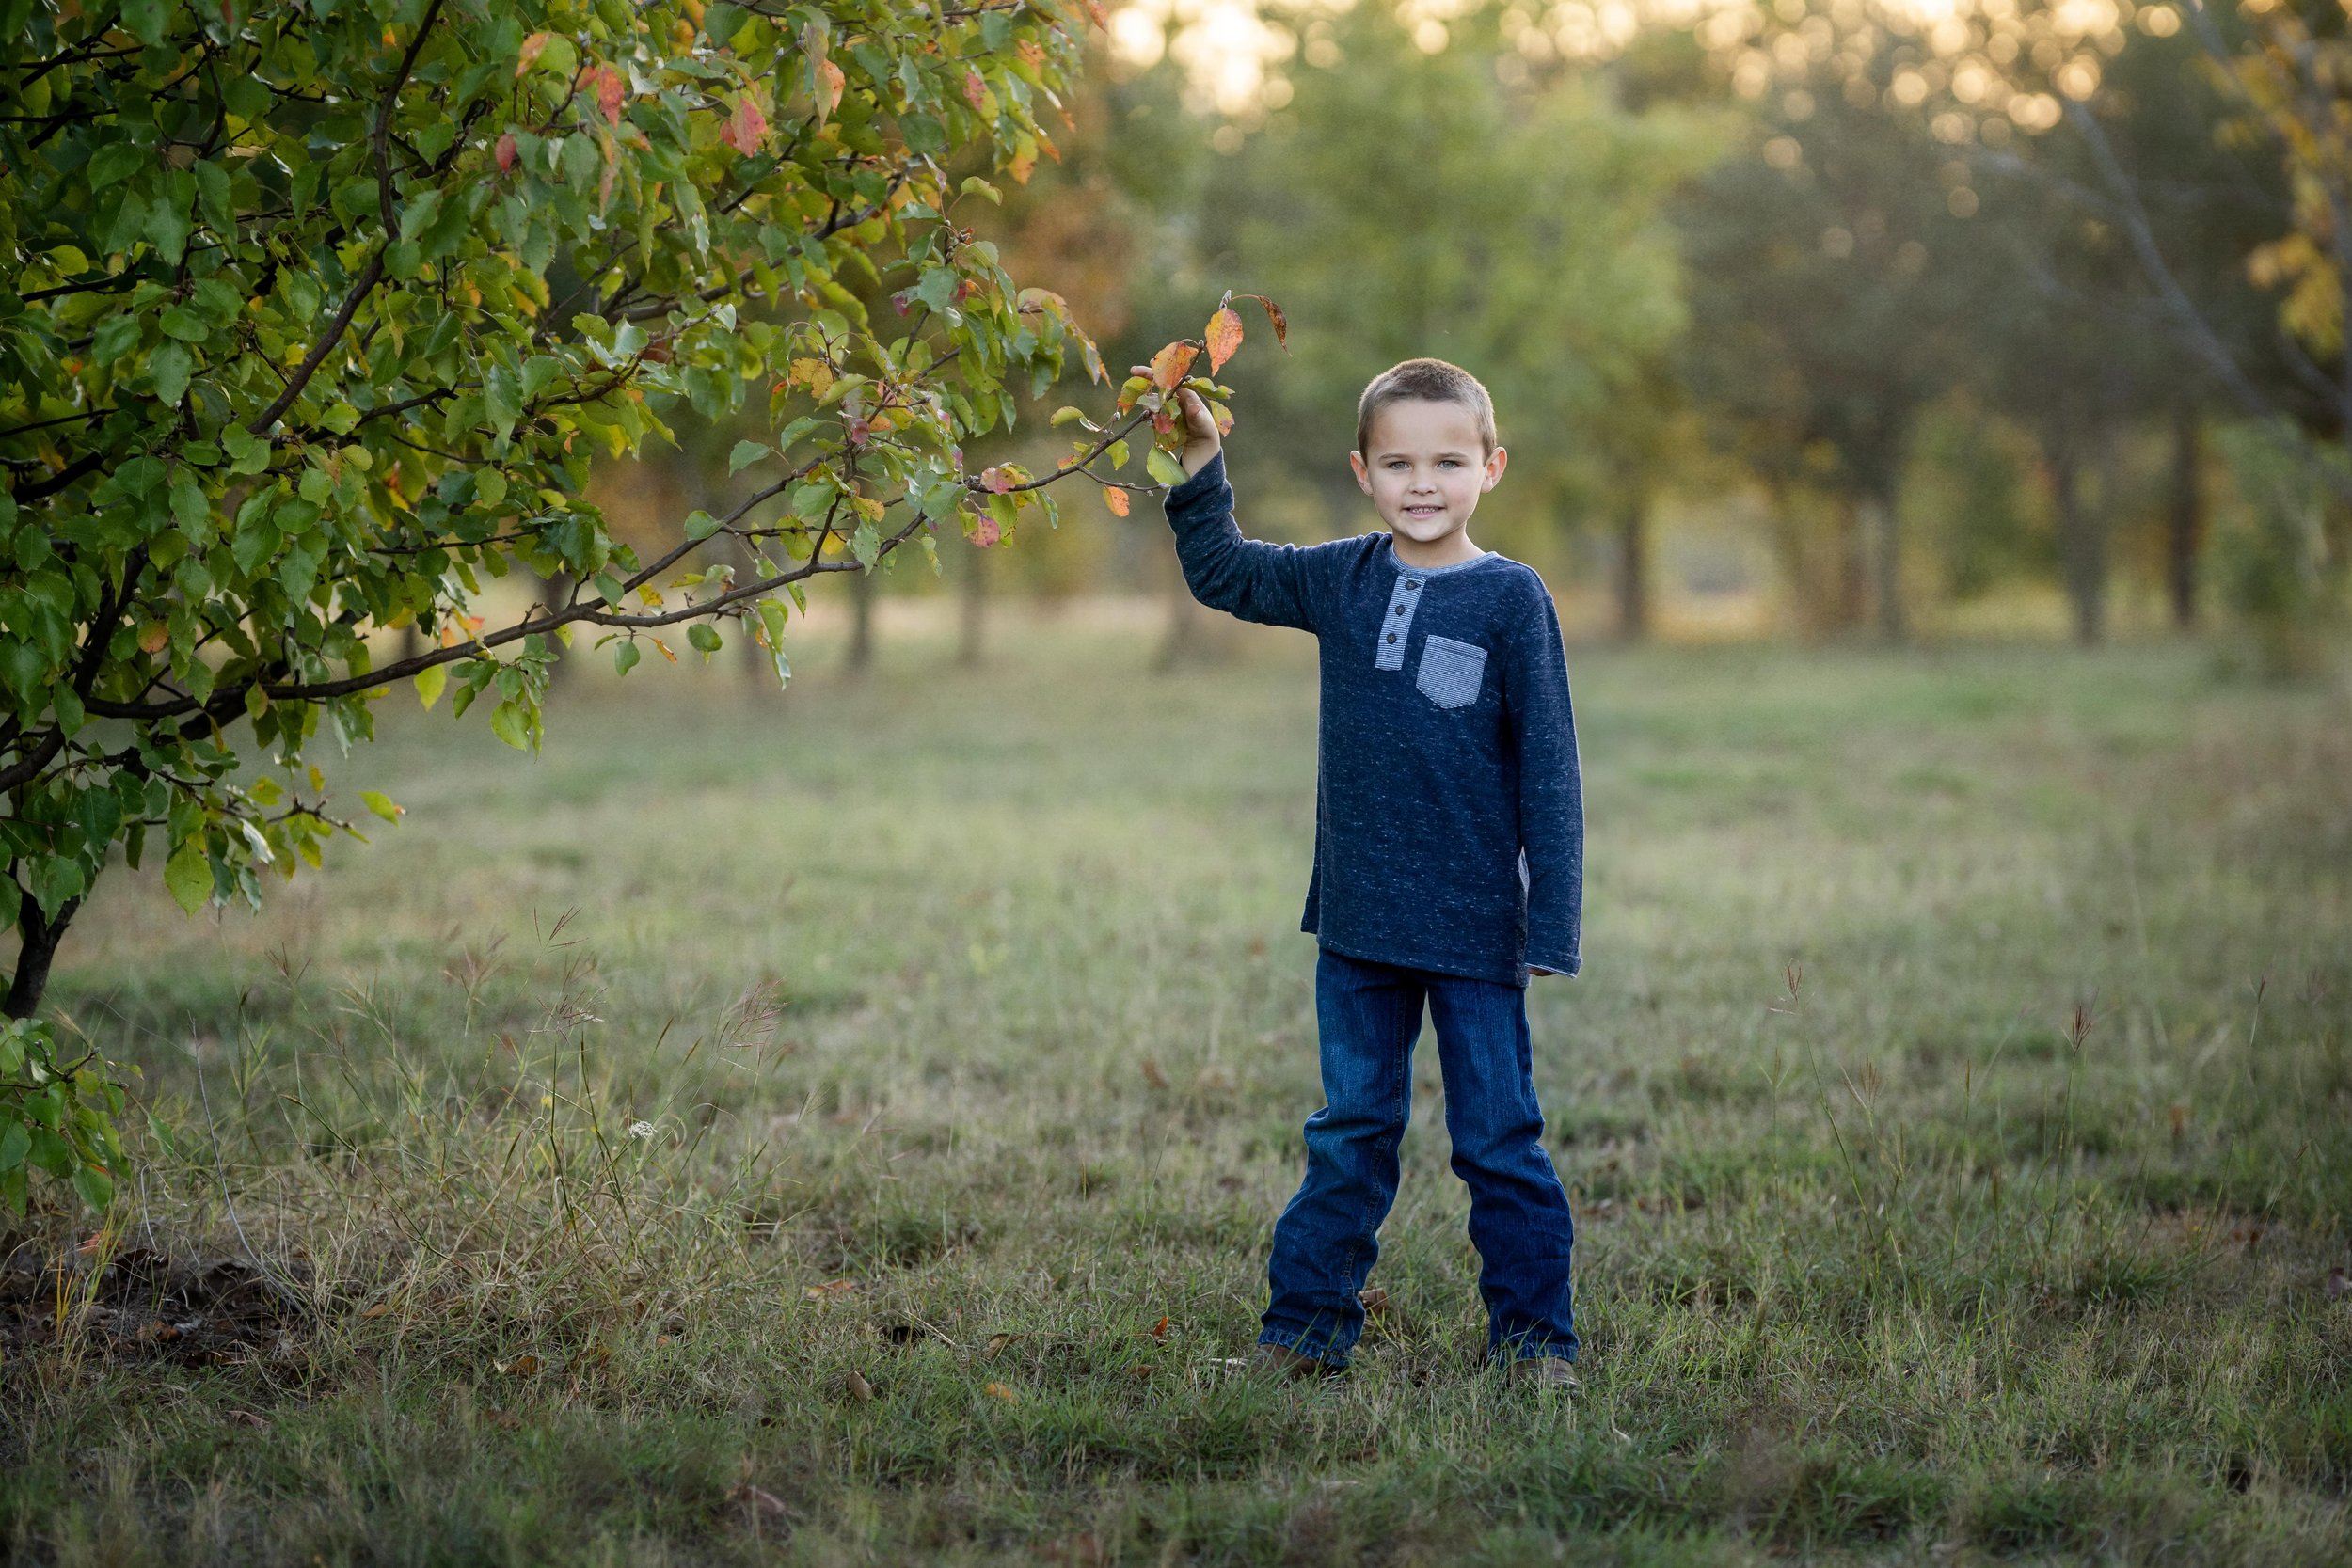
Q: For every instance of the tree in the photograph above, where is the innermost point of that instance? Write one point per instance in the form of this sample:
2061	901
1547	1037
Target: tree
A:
314	317
1519	230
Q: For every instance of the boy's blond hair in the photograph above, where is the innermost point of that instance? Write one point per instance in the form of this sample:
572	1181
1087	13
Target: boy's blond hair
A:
1431	381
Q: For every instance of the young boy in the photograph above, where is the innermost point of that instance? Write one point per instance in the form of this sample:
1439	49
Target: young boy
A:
1449	857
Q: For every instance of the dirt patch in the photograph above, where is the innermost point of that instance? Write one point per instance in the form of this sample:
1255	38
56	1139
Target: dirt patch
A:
143	1304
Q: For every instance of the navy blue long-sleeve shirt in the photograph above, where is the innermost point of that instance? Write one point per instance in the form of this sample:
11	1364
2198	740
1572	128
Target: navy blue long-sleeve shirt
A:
1449	809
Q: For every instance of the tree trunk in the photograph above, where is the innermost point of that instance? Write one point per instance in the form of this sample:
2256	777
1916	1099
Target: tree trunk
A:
1182	639
2082	546
555	592
1875	509
861	595
1633	571
37	947
972	607
2187	530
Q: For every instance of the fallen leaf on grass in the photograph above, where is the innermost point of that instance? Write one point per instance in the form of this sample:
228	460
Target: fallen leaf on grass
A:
247	1419
758	1499
1139	1371
1159	1330
859	1388
1153	1075
525	1365
377	1310
832	1290
998	1391
1375	1301
996	1342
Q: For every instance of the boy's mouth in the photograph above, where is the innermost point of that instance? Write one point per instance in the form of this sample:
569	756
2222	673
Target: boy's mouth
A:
1431	510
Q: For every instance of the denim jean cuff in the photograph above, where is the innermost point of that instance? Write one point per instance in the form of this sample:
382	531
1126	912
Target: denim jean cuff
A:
1330	1353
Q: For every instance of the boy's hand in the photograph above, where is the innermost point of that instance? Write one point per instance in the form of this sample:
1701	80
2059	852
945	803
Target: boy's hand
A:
1202	441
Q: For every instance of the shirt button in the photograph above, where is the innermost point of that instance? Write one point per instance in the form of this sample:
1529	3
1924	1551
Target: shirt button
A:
1392	637
1400	610
1412	585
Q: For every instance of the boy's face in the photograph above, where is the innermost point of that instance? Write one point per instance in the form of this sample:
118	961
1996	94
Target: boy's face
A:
1426	467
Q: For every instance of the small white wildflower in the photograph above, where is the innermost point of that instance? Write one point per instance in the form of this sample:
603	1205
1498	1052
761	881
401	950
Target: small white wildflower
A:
641	1129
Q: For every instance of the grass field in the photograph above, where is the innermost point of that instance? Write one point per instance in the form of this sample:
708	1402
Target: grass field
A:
1955	1103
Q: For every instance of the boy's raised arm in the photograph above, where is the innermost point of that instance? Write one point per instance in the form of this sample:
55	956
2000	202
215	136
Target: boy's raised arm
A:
1246	577
1552	792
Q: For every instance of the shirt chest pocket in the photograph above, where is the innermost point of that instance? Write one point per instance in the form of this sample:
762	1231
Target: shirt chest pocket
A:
1451	672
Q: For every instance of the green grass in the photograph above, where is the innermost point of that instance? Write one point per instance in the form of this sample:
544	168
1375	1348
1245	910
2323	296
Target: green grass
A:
982	992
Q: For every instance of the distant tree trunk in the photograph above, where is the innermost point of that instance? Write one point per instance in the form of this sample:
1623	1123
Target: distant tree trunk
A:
972	607
1633	569
555	592
1853	564
38	944
2082	544
1183	638
861	595
2187	530
1875	511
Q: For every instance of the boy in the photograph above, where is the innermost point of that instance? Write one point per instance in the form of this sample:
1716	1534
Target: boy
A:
1449	857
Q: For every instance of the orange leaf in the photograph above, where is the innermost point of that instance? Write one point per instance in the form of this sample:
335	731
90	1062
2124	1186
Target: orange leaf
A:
1102	18
663	648
834	82
525	1365
533	47
1171	364
1274	314
611	91
830	1289
1116	499
1224	337
998	1391
1159	1330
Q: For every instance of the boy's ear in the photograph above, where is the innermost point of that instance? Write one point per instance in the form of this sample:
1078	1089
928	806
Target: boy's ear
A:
1364	475
1496	462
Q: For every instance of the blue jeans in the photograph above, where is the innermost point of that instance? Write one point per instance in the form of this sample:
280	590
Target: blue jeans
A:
1369	1015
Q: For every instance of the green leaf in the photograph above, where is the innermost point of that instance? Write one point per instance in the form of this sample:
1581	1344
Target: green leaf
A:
381	803
189	875
702	635
96	1187
171	365
624	656
430	680
510	723
185	324
115	163
701	525
15	1143
1163	468
745	454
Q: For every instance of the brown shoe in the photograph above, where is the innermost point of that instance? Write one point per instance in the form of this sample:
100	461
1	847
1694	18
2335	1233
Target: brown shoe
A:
1281	1361
1542	1371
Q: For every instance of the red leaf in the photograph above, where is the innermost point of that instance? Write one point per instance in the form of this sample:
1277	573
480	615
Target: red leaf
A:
611	91
746	126
974	91
1170	365
996	481
858	429
1115	500
1159	1330
1224	336
986	533
506	152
